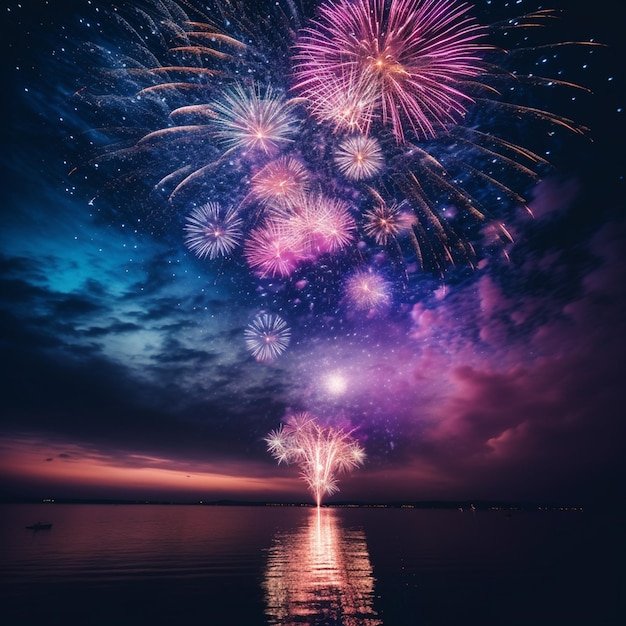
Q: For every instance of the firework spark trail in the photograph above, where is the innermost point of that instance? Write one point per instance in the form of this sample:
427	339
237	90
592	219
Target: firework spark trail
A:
321	452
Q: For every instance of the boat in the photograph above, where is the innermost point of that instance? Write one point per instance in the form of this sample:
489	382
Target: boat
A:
39	526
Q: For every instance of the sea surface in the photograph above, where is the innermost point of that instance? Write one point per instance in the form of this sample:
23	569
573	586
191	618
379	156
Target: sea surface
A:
187	565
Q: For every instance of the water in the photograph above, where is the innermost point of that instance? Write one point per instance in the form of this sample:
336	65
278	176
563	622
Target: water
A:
245	566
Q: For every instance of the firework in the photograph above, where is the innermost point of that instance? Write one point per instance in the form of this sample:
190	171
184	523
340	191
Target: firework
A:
274	250
405	61
267	337
199	106
245	119
303	230
359	157
323	224
321	452
342	105
385	222
211	231
332	225
367	290
279	182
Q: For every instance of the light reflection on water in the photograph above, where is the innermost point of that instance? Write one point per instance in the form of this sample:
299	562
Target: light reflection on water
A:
320	572
103	565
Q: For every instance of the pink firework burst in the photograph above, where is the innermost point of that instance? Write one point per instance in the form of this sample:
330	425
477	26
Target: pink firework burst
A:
321	452
247	119
211	231
267	337
280	181
367	290
405	61
323	224
273	250
359	157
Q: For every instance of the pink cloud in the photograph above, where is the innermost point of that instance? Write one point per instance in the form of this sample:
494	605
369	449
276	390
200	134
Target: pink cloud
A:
531	409
553	196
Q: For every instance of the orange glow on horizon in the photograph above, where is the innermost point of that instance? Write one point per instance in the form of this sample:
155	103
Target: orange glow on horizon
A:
34	467
72	465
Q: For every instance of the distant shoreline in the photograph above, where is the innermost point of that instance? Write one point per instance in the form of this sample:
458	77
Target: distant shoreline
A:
461	505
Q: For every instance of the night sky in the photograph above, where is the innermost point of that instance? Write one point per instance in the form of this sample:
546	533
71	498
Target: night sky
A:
126	372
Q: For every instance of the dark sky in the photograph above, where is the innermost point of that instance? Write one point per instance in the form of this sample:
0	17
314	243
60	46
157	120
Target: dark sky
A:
125	367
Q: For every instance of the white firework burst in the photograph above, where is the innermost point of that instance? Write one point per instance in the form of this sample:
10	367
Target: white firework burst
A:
359	157
211	231
247	119
321	452
267	337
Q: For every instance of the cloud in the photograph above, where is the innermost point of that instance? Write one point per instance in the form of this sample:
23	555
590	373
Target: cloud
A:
553	197
539	406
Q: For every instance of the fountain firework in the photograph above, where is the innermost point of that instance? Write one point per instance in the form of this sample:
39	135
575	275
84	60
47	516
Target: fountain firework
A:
321	452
